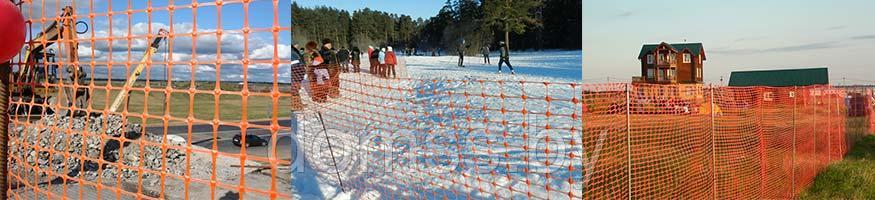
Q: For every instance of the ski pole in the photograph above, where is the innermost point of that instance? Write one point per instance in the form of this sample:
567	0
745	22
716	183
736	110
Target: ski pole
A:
325	131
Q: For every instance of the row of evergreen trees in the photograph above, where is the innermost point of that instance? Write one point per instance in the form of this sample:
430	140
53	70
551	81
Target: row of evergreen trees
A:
528	24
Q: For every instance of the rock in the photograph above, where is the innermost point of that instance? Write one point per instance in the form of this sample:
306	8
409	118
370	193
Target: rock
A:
69	138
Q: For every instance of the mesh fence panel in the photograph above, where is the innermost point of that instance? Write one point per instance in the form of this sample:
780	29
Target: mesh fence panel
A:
378	138
695	142
171	136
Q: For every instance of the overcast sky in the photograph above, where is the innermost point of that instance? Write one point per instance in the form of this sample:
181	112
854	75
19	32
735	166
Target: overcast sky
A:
737	35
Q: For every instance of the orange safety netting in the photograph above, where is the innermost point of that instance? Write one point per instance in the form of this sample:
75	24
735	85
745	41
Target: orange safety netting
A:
695	142
171	138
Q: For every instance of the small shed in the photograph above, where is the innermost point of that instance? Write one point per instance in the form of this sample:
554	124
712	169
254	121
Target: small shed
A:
781	77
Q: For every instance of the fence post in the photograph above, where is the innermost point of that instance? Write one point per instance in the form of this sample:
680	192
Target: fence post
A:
793	160
5	69
629	137
829	126
713	144
762	146
816	96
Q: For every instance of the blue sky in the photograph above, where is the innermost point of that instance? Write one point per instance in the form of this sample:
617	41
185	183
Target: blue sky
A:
204	49
737	35
424	9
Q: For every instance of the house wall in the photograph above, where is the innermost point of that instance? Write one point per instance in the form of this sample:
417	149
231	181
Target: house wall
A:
686	72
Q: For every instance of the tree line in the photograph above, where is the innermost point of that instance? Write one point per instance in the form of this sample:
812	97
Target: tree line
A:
528	24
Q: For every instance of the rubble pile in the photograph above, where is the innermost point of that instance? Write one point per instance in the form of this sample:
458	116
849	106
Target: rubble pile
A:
91	147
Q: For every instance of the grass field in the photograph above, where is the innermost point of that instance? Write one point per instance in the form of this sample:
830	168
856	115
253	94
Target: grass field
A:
851	178
200	106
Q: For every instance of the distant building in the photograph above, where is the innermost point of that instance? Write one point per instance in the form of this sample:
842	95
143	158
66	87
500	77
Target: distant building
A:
780	78
665	63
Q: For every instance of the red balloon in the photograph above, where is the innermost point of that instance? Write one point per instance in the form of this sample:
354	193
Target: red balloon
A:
12	37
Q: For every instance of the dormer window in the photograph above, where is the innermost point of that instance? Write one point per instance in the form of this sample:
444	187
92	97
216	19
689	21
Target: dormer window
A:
650	59
687	58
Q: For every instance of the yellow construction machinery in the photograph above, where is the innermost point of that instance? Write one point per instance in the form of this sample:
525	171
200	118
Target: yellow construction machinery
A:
38	82
153	48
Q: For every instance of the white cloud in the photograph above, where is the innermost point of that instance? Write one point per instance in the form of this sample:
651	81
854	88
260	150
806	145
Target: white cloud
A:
266	52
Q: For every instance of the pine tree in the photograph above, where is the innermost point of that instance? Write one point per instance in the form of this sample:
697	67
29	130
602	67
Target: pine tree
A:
511	16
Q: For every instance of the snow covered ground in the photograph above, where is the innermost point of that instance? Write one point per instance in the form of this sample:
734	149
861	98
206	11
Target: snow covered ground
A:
447	133
550	66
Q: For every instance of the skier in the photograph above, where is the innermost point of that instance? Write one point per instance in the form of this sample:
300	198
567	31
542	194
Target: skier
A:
505	58
382	58
317	73
356	59
299	68
331	62
485	52
391	61
343	58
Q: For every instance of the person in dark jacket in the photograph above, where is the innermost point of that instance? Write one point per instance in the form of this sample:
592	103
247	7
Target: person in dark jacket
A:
372	60
485	52
375	61
343	58
461	51
333	65
356	58
505	58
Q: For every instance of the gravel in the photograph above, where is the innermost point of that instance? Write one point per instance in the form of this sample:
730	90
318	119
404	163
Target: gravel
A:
92	147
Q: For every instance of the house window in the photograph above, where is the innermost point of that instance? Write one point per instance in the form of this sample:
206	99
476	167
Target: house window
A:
650	73
687	58
649	58
699	72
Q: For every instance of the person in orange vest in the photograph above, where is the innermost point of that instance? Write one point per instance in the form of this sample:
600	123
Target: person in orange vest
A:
391	61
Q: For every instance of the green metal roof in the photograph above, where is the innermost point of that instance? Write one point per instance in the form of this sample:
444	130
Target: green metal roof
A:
695	48
780	78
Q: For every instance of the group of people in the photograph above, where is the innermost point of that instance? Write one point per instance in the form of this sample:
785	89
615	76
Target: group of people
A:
322	66
504	59
383	61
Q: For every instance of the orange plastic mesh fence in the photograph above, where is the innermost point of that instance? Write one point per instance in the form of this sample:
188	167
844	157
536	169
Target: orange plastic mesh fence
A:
444	139
169	139
695	142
